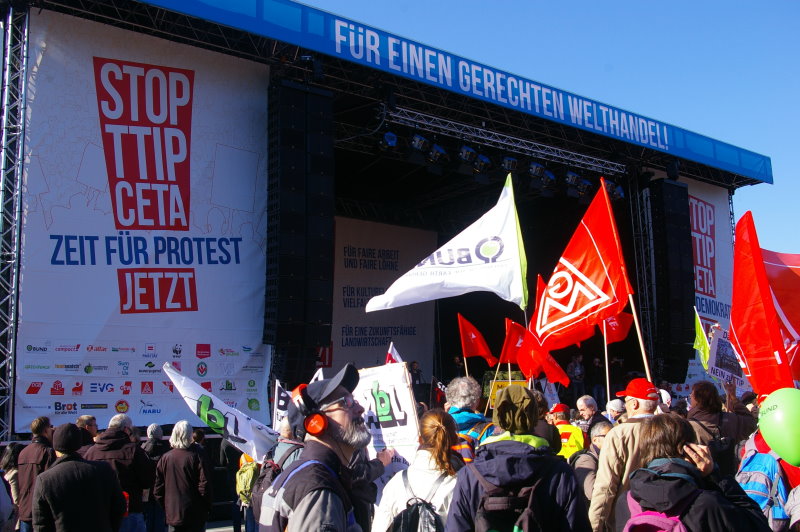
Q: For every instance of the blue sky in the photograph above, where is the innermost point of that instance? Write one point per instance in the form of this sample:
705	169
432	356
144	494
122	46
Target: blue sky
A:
729	70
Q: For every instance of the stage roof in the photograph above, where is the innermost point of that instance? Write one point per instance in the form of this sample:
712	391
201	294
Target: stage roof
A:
355	42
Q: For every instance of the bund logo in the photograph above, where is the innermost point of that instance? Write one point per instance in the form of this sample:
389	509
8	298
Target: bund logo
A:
569	294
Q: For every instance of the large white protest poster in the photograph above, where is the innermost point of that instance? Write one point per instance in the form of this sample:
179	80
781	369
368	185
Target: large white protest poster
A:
369	257
144	225
390	414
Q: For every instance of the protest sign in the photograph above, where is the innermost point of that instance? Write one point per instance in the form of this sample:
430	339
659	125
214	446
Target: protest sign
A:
390	414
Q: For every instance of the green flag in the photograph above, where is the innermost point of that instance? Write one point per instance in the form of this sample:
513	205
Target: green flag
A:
701	340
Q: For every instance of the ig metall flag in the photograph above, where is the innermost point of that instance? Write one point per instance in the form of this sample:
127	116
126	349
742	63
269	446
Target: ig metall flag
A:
247	434
488	255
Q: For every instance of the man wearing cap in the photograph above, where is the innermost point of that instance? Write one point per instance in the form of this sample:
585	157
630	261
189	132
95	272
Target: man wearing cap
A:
74	494
571	436
614	410
315	491
620	456
516	458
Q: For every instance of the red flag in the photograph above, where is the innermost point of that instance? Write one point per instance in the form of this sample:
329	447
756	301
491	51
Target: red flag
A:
392	356
515	338
578	335
754	331
617	327
552	369
589	283
472	342
783	273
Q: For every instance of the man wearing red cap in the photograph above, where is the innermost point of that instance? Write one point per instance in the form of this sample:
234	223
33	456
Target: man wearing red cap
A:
620	456
571	436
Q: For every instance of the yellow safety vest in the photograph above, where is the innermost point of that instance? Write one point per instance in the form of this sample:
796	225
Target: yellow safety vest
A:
571	439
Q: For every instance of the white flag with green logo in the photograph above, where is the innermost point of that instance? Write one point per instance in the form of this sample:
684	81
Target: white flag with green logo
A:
488	255
247	434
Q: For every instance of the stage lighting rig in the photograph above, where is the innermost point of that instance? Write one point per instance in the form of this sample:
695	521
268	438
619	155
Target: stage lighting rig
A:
481	164
509	164
437	154
388	141
420	143
467	154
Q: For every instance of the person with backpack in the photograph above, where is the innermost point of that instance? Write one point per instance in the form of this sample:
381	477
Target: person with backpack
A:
719	430
681	489
422	493
463	395
793	509
315	491
515	480
767	479
585	461
620	456
542	428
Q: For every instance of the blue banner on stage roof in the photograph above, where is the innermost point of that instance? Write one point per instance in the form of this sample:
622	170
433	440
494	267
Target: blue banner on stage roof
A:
330	34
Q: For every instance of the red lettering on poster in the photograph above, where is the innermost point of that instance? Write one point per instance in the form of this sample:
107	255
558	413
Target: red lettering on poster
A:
702	217
146	123
143	290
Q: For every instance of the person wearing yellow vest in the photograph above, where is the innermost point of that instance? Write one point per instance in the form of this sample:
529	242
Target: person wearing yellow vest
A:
571	436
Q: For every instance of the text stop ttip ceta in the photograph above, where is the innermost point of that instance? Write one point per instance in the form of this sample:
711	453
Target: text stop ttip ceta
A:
146	121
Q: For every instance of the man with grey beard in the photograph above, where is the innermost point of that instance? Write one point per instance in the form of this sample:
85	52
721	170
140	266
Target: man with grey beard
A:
314	492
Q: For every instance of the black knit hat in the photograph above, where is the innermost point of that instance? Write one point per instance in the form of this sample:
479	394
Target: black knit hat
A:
67	438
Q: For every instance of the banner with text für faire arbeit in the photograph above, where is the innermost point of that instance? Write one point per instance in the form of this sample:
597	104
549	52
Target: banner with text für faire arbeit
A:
143	225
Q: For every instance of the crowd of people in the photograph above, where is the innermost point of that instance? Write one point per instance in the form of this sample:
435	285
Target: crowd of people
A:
531	465
637	465
74	478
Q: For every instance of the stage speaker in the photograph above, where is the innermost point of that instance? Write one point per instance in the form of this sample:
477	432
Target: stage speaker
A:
673	294
300	229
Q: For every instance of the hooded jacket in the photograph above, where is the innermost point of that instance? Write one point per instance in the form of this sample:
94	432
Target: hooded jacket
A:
135	471
466	419
708	505
74	494
512	460
33	459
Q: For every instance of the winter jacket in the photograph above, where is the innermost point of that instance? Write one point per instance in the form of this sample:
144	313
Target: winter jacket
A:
466	419
422	474
739	424
714	504
619	458
549	432
596	418
317	496
585	467
33	459
365	492
134	469
183	488
74	494
155	448
512	461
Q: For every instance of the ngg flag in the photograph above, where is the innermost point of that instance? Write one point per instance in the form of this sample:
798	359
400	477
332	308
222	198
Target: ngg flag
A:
754	332
589	282
247	434
487	255
783	273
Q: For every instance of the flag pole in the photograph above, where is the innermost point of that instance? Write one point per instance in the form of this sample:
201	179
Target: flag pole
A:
488	399
608	377
641	341
509	373
466	369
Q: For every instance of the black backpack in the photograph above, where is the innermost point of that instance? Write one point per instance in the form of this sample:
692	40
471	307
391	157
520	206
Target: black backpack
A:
722	448
514	509
269	472
419	514
578	454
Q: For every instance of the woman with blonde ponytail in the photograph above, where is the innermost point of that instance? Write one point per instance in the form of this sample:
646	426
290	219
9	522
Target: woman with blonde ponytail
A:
431	475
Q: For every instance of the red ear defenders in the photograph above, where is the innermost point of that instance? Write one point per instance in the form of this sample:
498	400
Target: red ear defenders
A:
315	422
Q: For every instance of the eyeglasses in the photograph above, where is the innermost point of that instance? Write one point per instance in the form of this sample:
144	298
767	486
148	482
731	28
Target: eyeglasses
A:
347	402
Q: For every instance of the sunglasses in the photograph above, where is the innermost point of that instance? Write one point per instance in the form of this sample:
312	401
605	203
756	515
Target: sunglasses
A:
346	403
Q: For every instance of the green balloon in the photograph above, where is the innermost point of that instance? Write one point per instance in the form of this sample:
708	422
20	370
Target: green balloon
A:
779	422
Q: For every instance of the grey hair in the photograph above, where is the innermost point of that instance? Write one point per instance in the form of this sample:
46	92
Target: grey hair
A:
120	422
589	401
617	405
154	431
181	437
647	405
463	392
602	426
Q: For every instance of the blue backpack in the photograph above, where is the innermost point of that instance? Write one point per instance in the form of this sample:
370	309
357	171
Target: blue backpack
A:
761	477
